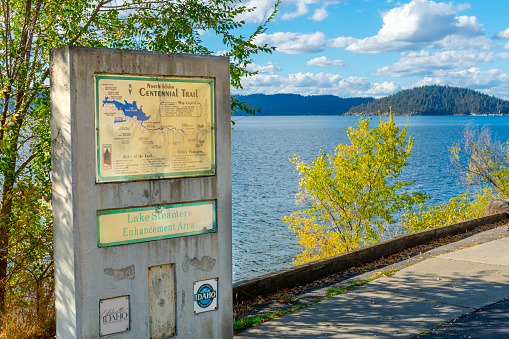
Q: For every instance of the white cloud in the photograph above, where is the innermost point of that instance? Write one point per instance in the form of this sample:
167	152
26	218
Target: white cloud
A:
383	89
262	10
506	46
416	25
341	41
318	84
268	68
302	7
293	43
502	35
493	82
318	80
323	61
462	42
468	26
320	14
425	63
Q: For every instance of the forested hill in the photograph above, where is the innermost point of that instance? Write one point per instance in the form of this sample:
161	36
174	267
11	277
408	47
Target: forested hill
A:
295	104
435	100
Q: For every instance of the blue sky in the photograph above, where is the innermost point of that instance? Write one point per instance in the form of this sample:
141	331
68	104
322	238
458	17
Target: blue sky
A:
379	47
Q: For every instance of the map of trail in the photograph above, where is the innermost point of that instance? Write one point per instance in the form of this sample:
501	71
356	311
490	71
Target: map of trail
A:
130	110
153	128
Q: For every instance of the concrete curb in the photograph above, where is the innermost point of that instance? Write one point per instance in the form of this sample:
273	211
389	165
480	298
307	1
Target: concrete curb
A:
297	276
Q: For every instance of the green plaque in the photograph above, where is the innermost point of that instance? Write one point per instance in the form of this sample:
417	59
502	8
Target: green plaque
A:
138	224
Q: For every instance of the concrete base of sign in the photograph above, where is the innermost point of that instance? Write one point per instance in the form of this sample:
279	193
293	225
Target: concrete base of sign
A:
85	273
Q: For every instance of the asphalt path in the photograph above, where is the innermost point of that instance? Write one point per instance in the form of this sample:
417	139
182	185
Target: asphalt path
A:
490	322
465	287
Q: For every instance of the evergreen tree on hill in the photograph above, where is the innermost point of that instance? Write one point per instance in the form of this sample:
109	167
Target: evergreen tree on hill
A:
435	100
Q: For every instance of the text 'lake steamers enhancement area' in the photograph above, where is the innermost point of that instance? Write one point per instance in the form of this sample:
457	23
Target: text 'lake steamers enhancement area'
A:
117	227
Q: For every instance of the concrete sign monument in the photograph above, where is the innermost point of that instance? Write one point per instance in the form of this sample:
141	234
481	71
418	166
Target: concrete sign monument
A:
141	157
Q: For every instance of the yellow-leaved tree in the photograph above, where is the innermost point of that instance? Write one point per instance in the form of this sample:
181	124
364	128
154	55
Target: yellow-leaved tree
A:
352	195
467	206
483	162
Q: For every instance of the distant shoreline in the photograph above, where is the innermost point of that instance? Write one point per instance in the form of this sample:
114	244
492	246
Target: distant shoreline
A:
420	101
368	115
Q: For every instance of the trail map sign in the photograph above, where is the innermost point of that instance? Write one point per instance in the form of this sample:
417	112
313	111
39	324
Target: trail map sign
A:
142	202
154	127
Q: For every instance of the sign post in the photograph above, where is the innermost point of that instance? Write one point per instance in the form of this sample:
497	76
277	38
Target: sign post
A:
141	167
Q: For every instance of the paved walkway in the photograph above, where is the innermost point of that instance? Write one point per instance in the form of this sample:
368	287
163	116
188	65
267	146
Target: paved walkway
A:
487	323
413	300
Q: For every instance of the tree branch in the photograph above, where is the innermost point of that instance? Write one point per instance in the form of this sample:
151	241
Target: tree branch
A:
89	22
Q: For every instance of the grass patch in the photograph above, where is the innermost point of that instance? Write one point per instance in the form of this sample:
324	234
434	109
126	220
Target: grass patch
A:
245	323
336	291
385	273
287	298
242	324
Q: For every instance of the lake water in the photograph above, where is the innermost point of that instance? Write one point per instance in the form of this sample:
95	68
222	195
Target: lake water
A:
265	181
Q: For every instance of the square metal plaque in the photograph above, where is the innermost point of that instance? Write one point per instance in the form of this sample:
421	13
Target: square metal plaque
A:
114	315
205	296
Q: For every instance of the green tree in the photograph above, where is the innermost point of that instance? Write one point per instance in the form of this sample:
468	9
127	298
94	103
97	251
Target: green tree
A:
436	100
28	30
352	195
467	206
483	164
482	160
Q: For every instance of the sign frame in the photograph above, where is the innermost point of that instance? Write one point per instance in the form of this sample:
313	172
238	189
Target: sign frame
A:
212	305
168	175
119	299
146	208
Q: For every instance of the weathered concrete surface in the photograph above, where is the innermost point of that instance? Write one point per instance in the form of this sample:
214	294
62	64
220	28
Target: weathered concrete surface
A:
80	276
205	264
413	300
121	273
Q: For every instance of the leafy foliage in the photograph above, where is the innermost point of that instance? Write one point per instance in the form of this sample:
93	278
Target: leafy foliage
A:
352	195
28	30
483	163
465	207
436	100
482	160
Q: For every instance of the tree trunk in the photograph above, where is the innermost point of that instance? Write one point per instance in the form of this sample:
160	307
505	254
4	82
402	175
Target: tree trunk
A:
4	252
5	220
